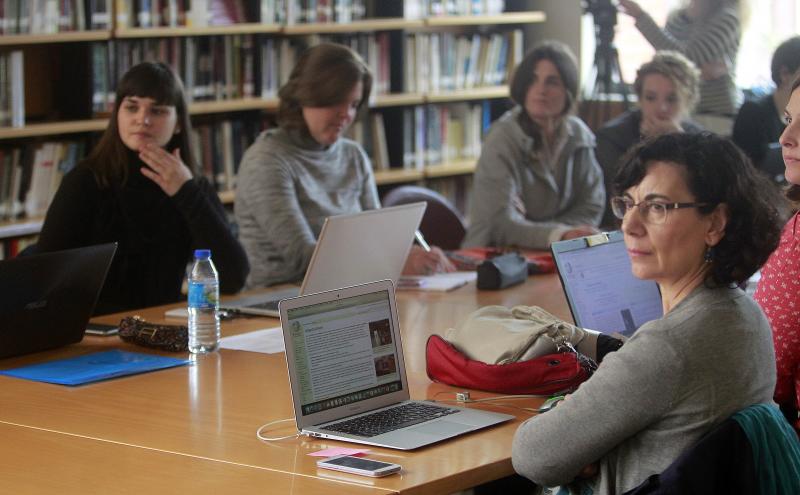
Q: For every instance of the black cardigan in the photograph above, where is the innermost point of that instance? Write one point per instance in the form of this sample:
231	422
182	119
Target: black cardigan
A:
156	235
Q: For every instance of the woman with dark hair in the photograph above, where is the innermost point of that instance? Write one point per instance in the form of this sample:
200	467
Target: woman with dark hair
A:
537	179
778	291
295	176
140	187
667	89
760	123
698	219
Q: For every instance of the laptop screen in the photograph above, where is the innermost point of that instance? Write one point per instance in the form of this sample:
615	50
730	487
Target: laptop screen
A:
344	351
602	292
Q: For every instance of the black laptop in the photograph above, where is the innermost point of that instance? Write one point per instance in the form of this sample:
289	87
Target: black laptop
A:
47	299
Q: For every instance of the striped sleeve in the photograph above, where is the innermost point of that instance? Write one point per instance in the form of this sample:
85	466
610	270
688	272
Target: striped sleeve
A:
716	40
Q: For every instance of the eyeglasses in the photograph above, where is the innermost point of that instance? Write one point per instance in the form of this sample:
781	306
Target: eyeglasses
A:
652	212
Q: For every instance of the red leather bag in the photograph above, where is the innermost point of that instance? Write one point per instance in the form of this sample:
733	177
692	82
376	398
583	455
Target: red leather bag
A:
550	374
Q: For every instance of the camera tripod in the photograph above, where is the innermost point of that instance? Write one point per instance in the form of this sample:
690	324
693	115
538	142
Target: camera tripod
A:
605	83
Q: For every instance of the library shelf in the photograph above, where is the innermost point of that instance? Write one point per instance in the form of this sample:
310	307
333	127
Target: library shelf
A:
449	169
61	37
531	17
396	176
167	32
227	197
397	100
365	25
53	128
479	93
20	228
233	105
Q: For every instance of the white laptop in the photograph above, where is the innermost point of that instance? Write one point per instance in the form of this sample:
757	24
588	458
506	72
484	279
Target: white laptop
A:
347	373
351	249
602	292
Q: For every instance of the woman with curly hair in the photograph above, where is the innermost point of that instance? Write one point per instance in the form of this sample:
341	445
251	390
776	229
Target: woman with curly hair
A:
698	219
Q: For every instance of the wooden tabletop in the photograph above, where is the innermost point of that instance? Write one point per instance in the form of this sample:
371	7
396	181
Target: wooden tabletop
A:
205	416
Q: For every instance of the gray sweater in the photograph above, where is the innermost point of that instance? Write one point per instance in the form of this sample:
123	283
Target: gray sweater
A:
555	195
287	186
673	381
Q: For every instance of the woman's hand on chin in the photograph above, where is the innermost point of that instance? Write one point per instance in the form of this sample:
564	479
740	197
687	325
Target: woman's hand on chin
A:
165	169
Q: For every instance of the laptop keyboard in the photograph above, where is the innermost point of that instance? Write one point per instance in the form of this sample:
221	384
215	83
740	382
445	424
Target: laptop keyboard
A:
270	305
390	419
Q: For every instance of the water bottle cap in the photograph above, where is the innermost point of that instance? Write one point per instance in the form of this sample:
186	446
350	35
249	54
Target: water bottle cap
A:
202	254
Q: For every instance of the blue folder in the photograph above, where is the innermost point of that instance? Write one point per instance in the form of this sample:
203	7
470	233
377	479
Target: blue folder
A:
93	367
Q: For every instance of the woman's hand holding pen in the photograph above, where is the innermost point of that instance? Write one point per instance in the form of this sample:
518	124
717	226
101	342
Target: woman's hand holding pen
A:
422	262
165	169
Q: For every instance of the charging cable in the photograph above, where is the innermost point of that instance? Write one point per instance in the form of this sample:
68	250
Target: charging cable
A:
274	439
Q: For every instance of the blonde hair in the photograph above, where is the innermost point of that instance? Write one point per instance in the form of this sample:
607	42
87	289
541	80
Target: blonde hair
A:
678	69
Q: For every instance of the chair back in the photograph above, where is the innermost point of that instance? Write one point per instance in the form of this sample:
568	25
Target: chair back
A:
442	225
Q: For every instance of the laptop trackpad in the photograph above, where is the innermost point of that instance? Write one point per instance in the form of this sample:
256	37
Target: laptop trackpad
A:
442	428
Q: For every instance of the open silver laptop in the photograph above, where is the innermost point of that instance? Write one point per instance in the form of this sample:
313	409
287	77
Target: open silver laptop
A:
602	292
348	377
351	249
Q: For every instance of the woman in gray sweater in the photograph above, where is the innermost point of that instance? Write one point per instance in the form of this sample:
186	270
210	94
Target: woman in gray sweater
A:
295	176
698	219
537	179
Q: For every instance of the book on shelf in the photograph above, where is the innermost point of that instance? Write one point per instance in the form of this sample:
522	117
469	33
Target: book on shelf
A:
12	89
53	16
219	145
321	11
419	9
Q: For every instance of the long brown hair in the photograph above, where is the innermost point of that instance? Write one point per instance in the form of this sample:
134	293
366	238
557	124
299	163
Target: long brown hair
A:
110	159
323	76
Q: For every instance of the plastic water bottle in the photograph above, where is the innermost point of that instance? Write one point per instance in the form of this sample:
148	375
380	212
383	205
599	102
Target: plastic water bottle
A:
203	304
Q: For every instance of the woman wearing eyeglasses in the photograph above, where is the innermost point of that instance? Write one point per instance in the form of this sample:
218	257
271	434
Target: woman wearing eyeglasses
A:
698	219
778	291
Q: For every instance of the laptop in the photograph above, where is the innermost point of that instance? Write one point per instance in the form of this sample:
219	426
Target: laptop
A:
48	298
351	249
602	292
348	377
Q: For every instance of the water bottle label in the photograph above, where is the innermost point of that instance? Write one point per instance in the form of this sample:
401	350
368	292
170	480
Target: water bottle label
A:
203	295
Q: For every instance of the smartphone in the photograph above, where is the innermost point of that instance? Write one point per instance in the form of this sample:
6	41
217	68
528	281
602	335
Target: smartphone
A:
359	465
101	329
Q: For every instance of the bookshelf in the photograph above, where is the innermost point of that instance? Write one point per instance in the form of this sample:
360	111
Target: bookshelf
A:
392	102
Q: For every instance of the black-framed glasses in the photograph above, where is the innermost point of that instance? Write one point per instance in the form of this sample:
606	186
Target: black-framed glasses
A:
653	212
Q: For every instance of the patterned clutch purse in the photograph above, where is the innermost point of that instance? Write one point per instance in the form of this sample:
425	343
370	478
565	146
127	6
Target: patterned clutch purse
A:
174	338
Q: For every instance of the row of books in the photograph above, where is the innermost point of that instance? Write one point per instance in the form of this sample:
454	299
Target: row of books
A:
9	248
446	62
219	146
200	13
53	16
30	175
12	89
458	190
417	9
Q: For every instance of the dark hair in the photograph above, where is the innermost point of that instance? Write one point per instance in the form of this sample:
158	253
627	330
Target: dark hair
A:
793	191
109	160
786	56
717	172
561	56
322	77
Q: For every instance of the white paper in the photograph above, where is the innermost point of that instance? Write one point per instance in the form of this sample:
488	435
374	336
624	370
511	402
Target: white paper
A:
440	282
268	341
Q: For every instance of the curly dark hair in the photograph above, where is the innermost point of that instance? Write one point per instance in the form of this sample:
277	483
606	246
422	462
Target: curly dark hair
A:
717	172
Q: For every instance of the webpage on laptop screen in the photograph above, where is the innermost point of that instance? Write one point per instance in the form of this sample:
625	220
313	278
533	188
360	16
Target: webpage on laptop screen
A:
344	351
605	295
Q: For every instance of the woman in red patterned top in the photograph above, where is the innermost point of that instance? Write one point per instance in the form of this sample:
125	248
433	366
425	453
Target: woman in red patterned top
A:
778	291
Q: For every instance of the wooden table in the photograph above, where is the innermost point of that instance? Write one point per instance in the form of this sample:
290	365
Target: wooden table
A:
203	418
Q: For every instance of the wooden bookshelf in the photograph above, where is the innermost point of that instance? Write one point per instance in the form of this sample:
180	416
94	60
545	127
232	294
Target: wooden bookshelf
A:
366	25
532	17
53	128
20	228
397	100
396	176
235	105
481	93
63	37
449	169
167	32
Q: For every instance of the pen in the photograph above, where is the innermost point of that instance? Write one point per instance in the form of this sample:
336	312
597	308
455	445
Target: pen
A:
422	242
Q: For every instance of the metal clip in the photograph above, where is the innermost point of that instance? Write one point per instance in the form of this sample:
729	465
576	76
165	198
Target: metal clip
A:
149	332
